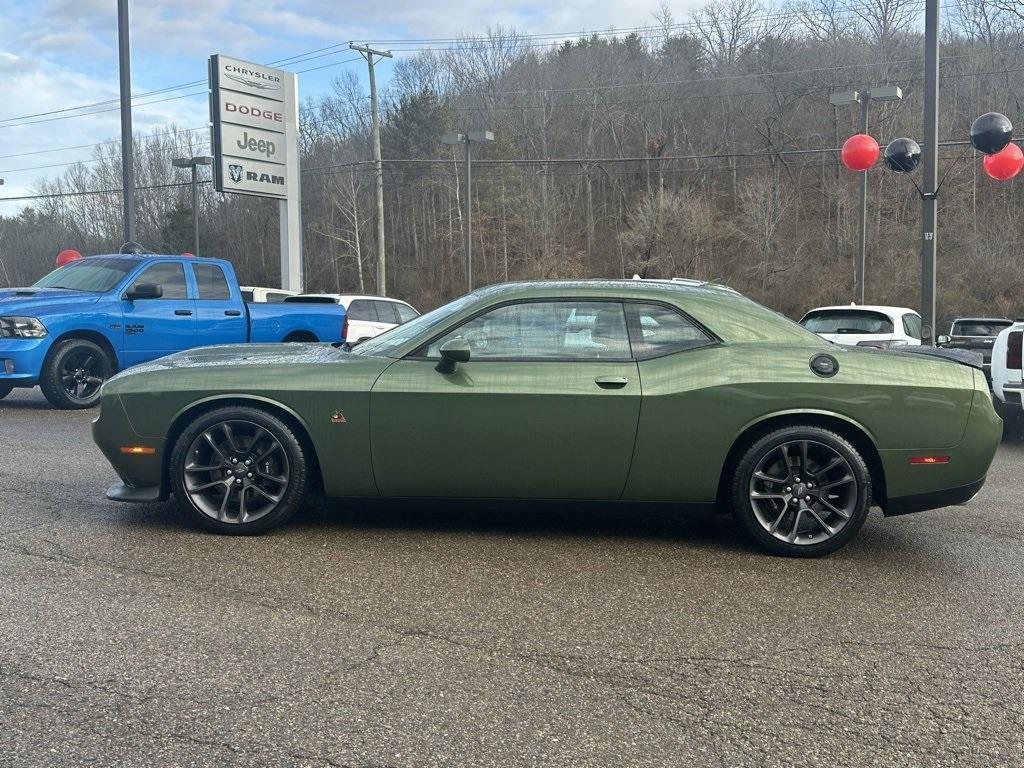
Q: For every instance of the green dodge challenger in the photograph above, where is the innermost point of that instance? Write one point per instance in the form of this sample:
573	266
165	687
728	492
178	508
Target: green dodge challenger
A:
642	390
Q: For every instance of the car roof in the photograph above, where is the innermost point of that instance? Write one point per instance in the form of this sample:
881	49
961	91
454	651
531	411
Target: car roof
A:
354	297
982	320
156	257
865	308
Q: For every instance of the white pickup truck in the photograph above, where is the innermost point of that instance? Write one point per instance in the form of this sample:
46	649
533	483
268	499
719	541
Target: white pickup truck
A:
1007	383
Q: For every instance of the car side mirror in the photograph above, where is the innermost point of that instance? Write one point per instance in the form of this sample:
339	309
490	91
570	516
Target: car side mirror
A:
452	352
144	291
943	340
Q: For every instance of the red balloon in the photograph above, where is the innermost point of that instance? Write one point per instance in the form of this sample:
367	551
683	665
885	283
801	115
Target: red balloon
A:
188	254
1004	164
66	256
860	152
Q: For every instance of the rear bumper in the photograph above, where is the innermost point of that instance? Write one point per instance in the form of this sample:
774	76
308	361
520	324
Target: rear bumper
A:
919	502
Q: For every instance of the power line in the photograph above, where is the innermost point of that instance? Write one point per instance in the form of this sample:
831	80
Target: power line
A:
101	143
298	59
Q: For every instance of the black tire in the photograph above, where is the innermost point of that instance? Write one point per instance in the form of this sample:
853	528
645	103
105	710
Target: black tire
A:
786	509
222	507
5	390
73	372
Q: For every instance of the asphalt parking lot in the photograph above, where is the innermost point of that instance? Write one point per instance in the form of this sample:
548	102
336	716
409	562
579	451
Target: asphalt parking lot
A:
470	636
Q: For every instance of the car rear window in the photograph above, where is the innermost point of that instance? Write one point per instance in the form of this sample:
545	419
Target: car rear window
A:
406	313
213	286
979	327
386	312
657	330
847	321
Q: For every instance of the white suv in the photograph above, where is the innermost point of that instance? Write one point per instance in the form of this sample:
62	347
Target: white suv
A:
866	326
1007	381
365	316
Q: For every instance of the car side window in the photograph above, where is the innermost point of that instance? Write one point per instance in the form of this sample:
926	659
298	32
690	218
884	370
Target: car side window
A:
169	275
406	313
362	310
213	286
657	330
912	326
276	298
386	312
544	330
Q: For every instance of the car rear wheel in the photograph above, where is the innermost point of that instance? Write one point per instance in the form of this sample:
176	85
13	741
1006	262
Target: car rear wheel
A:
73	373
238	470
801	491
5	390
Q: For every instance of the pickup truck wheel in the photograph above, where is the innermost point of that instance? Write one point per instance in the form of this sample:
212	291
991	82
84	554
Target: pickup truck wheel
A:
5	390
801	491
238	471
73	373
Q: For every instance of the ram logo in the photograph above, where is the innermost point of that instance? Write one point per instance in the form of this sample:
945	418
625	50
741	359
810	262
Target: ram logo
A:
236	173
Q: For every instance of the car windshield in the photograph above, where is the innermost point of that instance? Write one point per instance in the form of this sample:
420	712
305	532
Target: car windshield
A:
847	321
979	327
92	274
386	343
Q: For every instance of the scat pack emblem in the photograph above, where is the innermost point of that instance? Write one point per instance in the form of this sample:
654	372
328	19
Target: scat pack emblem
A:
337	417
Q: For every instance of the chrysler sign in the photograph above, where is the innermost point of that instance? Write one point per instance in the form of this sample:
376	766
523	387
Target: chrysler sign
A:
254	114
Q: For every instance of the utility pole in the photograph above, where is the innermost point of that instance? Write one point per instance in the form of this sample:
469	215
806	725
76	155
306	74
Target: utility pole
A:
864	98
194	163
368	54
467	139
930	172
127	167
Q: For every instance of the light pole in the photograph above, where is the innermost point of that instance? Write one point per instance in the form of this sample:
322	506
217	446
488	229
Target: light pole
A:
467	139
124	60
864	98
194	163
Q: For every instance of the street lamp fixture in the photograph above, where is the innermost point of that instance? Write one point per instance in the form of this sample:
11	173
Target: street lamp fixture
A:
864	98
467	140
194	163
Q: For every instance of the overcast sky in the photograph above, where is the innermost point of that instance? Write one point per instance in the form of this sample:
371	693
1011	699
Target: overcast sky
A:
56	54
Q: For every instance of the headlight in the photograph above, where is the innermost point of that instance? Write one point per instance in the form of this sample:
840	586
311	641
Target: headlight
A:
21	328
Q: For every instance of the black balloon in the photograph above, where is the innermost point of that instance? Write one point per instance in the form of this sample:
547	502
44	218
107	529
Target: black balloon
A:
903	155
991	132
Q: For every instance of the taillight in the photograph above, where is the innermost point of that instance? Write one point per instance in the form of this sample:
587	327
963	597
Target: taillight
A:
344	329
1013	350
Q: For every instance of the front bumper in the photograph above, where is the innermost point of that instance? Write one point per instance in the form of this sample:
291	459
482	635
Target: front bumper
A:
919	502
21	360
142	476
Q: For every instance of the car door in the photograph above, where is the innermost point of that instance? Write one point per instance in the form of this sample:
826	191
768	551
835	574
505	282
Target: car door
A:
387	316
219	315
157	327
546	407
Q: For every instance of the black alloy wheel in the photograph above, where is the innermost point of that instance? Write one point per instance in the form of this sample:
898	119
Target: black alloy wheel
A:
73	373
238	471
802	491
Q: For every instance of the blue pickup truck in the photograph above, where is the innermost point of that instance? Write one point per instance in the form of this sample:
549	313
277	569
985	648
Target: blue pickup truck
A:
82	323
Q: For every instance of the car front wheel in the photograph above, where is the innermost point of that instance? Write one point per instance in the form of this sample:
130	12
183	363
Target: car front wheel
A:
801	491
238	470
73	373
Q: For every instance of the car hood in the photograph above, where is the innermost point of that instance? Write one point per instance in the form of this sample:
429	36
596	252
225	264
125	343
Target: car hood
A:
31	302
248	356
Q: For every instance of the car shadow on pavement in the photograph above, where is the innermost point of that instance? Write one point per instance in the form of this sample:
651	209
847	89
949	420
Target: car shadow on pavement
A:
661	522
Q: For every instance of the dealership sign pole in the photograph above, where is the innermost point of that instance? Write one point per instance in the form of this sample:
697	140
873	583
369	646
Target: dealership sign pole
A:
255	115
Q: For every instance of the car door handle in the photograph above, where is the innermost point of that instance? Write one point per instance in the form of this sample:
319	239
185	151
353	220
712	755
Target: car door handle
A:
183	312
232	312
611	382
